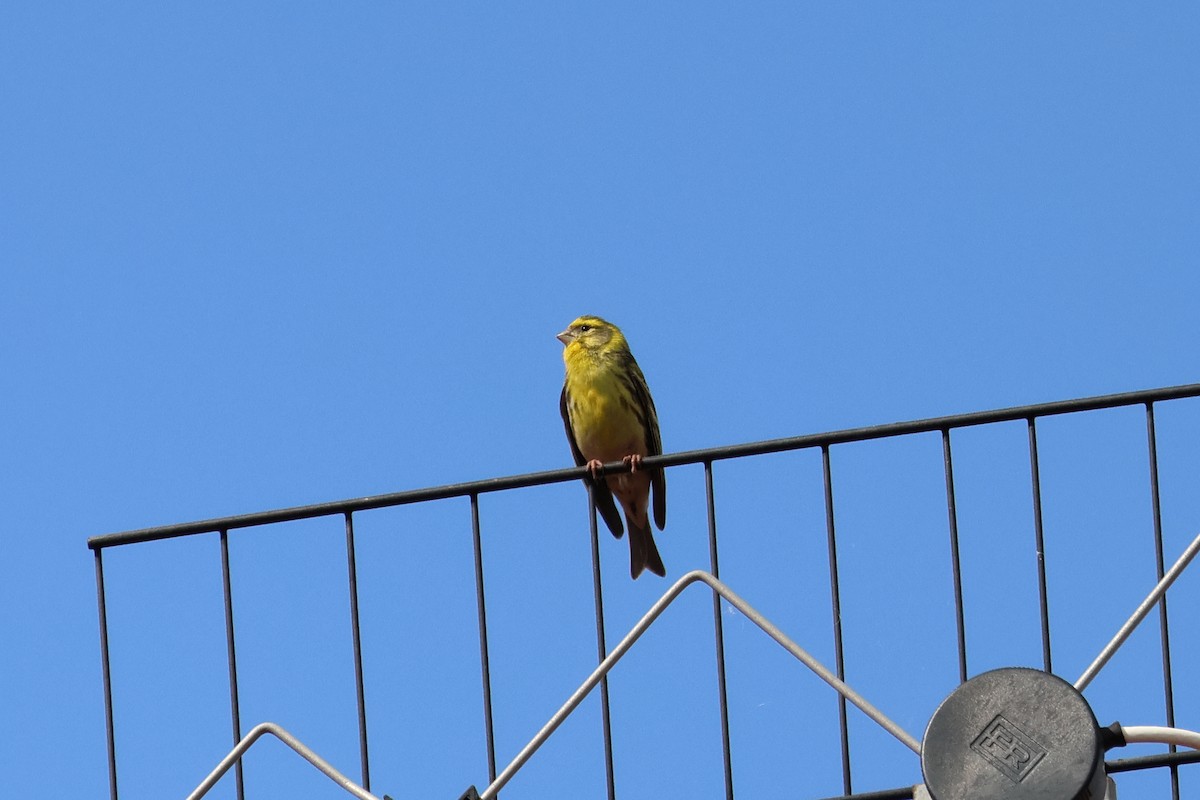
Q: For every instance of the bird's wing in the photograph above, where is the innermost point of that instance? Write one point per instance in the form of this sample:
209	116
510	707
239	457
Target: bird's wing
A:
658	486
566	418
601	494
649	419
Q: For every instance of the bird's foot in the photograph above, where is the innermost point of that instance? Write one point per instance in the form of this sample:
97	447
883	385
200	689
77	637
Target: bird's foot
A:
634	461
596	467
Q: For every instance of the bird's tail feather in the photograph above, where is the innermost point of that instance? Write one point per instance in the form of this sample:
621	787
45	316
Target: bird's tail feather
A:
643	553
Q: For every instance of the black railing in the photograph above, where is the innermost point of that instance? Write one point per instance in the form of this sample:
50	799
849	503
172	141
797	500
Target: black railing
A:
824	442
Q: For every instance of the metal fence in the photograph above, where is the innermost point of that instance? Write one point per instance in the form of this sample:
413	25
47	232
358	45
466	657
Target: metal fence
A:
823	443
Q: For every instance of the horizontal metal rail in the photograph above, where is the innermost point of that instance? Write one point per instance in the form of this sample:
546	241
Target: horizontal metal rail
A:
899	793
291	741
643	624
933	424
1152	761
1112	767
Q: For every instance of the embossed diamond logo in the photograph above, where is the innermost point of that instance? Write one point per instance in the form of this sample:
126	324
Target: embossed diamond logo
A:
1010	749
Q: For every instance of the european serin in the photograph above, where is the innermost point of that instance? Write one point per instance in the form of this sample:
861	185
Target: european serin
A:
609	416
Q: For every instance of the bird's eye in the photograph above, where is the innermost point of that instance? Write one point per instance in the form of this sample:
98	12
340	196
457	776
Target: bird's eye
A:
584	328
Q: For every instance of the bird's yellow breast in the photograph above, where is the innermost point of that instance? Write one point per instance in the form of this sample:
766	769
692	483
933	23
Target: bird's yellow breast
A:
602	413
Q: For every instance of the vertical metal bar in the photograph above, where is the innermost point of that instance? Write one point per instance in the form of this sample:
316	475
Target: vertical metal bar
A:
955	561
1159	567
1039	543
836	606
601	647
356	635
235	713
484	661
718	630
106	674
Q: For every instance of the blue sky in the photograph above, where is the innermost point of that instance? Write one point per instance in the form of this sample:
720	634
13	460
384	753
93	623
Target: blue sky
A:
265	256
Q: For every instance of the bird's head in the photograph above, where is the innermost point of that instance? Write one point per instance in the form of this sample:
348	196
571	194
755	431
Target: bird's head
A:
593	335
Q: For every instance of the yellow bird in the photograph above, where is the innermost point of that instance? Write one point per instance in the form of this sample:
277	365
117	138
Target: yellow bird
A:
609	416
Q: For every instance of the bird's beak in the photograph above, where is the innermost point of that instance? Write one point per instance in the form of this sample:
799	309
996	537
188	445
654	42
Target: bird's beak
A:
566	337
